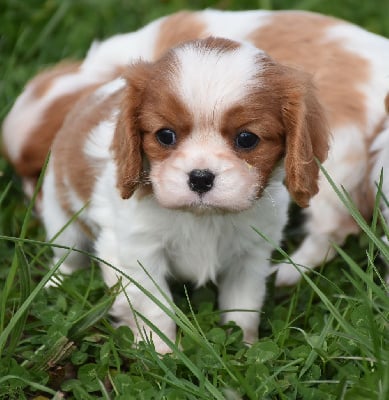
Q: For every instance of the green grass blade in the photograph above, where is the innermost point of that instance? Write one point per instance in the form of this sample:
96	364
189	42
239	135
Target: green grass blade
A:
89	318
366	278
25	290
354	212
26	304
50	27
36	386
188	363
5	192
346	326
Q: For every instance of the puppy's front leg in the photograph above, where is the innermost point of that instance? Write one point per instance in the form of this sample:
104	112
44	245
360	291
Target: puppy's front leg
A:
133	298
242	287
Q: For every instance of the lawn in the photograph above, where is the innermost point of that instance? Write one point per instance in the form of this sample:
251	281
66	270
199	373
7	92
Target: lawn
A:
326	338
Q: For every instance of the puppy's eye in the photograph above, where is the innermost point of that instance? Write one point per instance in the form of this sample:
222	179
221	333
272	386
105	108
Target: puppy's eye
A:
166	137
246	140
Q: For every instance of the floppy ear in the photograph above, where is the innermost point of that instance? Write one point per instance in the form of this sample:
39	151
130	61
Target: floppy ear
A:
127	141
307	138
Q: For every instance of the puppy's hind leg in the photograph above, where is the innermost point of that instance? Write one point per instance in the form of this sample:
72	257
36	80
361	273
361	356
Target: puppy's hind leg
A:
331	225
328	219
60	232
380	152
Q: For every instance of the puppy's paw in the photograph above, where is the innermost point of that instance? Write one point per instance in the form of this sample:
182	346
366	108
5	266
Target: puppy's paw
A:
250	336
287	275
160	346
54	281
146	335
57	279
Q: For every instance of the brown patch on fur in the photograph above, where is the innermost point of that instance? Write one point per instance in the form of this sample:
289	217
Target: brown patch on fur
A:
178	28
44	80
259	116
37	145
127	140
149	105
156	114
71	164
41	136
307	139
298	39
286	115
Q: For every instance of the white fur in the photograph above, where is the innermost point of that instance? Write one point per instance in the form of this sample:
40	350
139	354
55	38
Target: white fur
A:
233	25
98	141
122	49
380	149
224	87
55	220
218	247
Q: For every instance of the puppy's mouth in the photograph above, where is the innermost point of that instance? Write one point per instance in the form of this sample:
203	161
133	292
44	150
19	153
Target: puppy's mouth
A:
202	206
205	204
202	191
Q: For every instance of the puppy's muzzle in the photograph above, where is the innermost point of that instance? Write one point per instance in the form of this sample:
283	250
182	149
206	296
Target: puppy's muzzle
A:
201	180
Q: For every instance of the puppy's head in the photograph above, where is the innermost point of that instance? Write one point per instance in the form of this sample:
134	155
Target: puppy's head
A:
211	120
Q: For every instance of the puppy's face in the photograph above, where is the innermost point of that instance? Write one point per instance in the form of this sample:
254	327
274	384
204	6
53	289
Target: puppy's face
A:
213	118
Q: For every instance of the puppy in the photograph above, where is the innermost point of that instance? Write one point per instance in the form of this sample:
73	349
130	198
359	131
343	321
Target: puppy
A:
350	70
176	162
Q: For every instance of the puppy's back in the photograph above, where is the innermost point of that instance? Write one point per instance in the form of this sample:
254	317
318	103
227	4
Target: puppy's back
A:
38	113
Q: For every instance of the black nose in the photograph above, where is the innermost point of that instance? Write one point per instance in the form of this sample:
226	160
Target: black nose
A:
201	180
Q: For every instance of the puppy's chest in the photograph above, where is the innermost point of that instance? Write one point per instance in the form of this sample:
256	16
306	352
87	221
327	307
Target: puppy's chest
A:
198	249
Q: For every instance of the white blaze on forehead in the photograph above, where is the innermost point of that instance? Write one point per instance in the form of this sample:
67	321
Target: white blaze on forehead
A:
211	80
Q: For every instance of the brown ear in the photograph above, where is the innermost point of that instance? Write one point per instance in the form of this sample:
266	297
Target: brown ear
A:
127	141
307	138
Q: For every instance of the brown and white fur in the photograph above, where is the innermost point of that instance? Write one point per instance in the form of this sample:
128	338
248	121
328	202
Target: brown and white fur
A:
350	68
235	124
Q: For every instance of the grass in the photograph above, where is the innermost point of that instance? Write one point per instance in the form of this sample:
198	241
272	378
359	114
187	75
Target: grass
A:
327	338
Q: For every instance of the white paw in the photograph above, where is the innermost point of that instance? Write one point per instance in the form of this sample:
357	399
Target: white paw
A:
57	279
250	336
287	275
159	345
143	333
54	281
